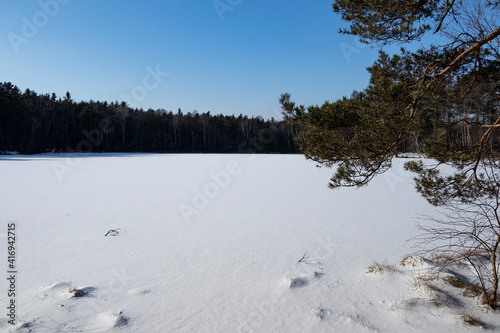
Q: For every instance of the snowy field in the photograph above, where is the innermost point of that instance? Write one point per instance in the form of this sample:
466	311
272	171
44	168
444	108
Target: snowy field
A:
214	243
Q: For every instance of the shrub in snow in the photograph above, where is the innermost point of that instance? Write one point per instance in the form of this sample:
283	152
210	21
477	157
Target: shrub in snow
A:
412	261
380	268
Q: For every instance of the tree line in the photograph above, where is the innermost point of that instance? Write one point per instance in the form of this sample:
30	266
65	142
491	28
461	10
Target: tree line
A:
32	123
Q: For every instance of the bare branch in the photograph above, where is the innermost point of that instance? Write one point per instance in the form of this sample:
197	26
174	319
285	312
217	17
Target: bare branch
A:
450	5
471	49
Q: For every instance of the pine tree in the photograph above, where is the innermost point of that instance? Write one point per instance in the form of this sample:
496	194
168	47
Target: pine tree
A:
447	95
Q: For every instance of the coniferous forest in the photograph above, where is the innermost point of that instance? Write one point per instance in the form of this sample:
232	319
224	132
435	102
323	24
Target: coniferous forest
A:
31	123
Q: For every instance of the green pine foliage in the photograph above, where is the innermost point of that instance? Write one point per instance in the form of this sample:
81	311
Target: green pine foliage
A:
385	21
440	100
359	134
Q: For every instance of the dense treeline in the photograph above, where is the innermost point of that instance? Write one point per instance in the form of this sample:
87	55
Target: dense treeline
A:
32	123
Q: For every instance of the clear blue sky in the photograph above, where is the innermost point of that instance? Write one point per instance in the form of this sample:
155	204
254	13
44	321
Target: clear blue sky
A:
230	62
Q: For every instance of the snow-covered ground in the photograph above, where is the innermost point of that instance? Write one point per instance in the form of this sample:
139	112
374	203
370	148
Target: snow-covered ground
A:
214	243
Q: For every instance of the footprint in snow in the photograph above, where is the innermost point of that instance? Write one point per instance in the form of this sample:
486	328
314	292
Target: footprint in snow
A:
294	283
318	274
22	327
106	321
299	282
138	291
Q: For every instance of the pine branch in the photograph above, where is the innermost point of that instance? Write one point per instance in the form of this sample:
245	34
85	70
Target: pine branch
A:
444	16
471	49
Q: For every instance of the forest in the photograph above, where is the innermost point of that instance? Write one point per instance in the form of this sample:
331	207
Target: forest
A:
32	123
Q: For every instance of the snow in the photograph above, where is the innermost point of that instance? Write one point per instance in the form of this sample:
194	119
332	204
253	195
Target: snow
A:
214	243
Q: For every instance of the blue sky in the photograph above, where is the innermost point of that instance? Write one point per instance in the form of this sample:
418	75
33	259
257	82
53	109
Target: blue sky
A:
235	61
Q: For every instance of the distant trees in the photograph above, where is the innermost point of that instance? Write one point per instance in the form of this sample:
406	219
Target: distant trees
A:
32	123
443	100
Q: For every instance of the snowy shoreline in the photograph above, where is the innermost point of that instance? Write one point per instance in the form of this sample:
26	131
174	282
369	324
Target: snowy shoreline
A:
266	247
